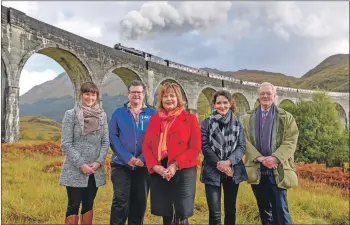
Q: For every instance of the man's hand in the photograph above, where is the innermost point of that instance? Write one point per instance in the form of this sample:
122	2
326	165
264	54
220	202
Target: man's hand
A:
132	161
160	170
139	163
270	162
261	158
95	165
87	169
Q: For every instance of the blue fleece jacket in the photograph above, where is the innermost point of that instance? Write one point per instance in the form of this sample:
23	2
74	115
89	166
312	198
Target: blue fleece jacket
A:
125	138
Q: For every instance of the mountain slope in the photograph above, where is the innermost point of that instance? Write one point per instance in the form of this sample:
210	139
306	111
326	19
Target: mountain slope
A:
55	108
112	85
332	74
258	76
49	89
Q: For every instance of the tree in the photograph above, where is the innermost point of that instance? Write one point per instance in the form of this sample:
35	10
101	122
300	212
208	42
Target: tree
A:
322	137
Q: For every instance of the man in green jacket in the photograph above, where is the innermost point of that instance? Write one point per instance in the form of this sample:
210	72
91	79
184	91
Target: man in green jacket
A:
271	138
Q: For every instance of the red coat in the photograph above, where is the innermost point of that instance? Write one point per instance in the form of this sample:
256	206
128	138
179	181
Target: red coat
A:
183	141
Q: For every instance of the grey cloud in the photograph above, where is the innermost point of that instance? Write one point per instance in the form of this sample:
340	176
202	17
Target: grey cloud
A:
155	17
316	20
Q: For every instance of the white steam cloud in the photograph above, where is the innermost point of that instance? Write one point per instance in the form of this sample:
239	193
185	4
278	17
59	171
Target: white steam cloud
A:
155	17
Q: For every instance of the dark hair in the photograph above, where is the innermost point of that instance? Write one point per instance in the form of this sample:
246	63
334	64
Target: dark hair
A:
137	83
227	95
90	87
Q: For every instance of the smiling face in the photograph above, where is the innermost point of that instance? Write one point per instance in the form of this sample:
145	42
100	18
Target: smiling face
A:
89	98
267	96
169	99
222	105
136	95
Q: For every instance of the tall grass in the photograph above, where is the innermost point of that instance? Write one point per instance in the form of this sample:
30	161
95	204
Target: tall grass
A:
31	194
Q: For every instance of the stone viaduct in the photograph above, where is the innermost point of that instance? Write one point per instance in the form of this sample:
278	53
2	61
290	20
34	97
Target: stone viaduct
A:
85	60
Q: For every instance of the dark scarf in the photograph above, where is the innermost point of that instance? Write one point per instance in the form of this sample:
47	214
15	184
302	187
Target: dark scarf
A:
263	135
223	141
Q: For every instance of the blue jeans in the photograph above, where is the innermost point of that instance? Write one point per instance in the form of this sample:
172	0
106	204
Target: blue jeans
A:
213	194
272	201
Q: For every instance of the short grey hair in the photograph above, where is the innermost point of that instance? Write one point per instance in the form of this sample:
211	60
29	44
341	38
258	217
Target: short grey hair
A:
267	84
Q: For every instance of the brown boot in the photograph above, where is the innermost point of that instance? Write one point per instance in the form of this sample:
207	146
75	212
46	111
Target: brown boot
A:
86	218
72	219
178	221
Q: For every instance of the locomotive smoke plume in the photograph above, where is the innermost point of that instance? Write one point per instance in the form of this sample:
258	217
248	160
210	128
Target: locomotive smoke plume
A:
154	17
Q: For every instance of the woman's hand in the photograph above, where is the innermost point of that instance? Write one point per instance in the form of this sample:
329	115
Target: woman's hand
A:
171	171
160	170
222	165
95	165
225	167
87	169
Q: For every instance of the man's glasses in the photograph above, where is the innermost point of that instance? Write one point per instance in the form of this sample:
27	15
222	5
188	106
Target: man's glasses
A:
136	92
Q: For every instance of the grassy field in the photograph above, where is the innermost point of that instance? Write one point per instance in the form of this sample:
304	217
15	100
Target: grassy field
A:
39	128
31	194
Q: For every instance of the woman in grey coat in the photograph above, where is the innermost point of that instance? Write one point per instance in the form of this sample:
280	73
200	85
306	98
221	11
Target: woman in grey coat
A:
85	142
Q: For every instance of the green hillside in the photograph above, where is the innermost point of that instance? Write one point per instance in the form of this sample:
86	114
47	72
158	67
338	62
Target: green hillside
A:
332	74
39	128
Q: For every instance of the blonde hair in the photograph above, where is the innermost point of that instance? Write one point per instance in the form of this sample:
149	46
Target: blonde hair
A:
166	86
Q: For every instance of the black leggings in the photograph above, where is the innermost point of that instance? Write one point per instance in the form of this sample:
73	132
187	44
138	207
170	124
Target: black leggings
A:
85	195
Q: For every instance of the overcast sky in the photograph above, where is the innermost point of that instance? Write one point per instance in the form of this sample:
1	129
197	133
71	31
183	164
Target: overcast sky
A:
287	37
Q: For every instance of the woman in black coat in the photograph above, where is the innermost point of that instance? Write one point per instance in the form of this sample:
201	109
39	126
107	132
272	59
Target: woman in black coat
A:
223	146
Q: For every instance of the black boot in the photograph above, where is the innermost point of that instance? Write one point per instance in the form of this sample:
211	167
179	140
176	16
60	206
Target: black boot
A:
167	220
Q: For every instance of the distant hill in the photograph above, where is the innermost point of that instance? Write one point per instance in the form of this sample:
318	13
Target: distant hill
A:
332	74
49	90
48	100
258	76
55	108
112	85
39	128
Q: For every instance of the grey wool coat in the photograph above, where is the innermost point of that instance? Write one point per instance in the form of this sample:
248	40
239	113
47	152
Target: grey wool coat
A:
79	149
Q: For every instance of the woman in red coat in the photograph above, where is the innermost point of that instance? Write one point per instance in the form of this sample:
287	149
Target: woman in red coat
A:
171	146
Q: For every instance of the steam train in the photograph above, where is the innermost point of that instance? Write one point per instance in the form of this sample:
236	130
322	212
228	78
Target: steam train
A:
165	62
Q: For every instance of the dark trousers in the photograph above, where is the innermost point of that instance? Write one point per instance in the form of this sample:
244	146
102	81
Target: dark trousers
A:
130	192
272	201
213	194
77	195
174	199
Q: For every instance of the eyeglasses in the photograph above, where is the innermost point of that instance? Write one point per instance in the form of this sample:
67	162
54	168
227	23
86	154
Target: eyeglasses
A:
136	92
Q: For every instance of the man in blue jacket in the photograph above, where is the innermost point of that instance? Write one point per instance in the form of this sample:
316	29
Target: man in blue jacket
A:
129	173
